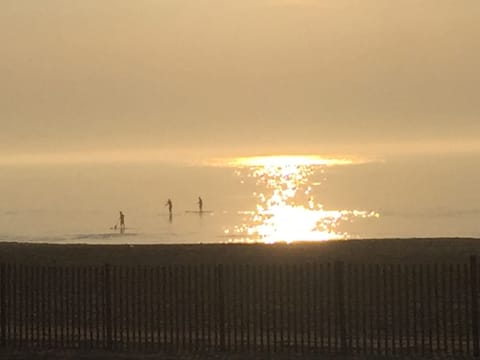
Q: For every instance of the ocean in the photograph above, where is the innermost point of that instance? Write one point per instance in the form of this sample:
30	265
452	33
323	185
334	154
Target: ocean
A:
248	200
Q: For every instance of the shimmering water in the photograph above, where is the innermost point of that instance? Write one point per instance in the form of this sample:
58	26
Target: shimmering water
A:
245	200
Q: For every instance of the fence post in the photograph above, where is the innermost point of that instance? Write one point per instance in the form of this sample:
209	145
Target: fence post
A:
221	307
3	306
108	305
339	272
474	304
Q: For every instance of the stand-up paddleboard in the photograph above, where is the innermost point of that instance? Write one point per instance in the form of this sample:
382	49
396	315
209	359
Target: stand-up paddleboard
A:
199	212
118	228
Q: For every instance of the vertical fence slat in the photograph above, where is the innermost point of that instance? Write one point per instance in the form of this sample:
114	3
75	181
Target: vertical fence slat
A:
414	306
474	305
146	312
393	301
26	306
436	294
400	297
138	307
422	312
286	307
152	308
406	309
3	306
172	313
300	307
14	305
282	307
444	308
317	310
98	307
221	306
240	347
356	286
190	304
8	306
75	305
459	311
385	307
198	306
107	286
201	280
467	312
328	286
38	307
165	313
21	306
254	306
159	300
451	292
340	301
181	302
268	304
61	306
363	291
378	311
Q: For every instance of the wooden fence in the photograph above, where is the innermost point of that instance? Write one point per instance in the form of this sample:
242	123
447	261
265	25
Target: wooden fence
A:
323	308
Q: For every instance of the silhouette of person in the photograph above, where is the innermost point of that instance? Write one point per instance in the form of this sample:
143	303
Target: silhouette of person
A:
170	206
200	204
122	222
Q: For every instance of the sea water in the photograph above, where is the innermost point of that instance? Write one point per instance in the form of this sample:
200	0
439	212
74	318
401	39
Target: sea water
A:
421	196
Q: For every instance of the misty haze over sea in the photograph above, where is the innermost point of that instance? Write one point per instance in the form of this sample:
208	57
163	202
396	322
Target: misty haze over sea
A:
421	196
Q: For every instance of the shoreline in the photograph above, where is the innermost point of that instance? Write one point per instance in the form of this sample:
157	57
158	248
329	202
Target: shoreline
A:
399	251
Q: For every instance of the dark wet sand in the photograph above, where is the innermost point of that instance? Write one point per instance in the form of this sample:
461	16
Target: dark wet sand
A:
353	251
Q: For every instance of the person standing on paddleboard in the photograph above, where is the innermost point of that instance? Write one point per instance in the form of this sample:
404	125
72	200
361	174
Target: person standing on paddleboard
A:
122	222
170	206
200	204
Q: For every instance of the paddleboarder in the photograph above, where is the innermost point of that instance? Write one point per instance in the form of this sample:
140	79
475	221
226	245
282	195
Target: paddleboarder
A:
122	222
170	206
200	204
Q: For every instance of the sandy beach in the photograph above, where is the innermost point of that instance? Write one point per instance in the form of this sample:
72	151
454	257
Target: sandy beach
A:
448	250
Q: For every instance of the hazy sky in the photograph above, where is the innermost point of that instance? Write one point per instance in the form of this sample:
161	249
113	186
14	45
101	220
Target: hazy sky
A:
238	76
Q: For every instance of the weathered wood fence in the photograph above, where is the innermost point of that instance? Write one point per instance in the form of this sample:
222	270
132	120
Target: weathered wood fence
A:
324	308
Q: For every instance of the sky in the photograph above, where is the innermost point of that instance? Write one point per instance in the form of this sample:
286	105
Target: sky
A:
238	77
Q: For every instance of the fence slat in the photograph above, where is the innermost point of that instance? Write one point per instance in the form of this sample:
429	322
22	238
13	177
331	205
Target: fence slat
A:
451	293
3	305
436	294
340	301
459	312
474	305
107	286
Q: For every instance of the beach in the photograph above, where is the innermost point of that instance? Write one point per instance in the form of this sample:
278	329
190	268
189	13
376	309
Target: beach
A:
398	251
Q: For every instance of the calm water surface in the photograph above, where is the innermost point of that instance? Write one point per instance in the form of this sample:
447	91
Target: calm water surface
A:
245	200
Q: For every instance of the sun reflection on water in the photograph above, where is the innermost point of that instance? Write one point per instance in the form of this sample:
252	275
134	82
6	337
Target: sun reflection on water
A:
286	210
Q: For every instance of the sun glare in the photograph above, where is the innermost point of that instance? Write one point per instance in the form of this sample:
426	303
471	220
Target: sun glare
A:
289	160
286	206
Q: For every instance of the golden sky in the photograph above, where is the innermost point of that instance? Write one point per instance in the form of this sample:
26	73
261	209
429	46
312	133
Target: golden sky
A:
239	76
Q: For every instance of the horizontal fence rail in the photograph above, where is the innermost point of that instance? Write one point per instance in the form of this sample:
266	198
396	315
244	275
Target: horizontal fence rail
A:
324	308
